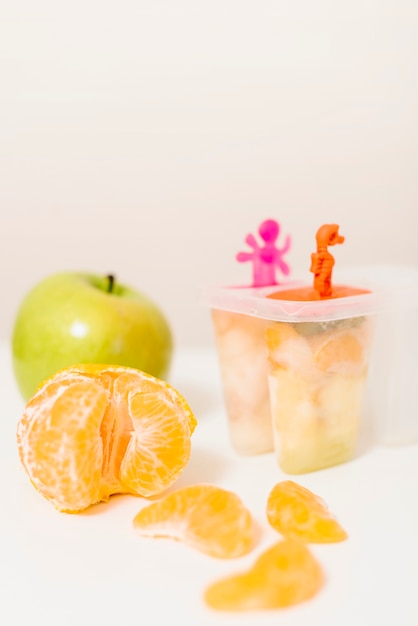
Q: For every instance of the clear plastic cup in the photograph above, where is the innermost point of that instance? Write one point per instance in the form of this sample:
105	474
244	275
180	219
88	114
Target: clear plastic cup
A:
317	380
295	359
243	364
242	349
310	357
392	394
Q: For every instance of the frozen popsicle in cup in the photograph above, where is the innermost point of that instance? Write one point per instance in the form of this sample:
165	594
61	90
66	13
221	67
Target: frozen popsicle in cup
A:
242	356
294	361
318	365
241	346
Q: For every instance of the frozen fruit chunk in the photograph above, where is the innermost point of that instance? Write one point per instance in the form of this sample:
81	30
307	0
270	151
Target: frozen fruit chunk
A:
339	350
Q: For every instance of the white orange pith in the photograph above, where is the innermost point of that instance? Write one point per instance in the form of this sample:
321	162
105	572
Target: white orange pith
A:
92	431
206	517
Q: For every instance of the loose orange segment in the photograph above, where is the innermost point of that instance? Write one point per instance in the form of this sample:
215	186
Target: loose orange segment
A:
206	517
285	574
91	431
299	514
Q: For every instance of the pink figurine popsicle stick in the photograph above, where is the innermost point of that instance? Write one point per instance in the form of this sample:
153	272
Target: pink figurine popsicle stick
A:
267	257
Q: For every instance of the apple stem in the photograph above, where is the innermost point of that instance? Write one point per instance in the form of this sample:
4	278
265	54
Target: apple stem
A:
111	282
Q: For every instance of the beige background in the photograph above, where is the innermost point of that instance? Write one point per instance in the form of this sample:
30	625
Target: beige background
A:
147	138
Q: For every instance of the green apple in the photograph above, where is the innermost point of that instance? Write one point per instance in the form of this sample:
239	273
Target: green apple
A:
71	318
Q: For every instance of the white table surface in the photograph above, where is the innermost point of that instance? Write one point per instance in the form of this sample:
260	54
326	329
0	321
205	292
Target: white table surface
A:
91	568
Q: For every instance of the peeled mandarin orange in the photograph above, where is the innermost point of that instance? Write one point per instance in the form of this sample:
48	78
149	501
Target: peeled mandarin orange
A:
208	518
299	514
285	574
91	431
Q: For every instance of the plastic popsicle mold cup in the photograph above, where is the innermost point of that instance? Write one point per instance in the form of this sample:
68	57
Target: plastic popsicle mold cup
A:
241	346
307	352
317	373
310	357
243	365
317	381
392	393
318	368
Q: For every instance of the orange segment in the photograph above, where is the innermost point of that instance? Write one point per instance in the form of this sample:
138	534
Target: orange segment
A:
49	460
299	514
208	518
340	348
285	574
91	431
278	333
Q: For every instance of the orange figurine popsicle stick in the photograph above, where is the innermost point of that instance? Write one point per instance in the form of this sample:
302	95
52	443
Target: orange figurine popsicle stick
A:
322	262
322	265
